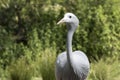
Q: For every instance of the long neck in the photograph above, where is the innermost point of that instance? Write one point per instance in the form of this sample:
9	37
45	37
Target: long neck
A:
69	43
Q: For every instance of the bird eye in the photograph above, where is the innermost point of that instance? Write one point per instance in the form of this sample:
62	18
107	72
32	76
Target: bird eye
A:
70	16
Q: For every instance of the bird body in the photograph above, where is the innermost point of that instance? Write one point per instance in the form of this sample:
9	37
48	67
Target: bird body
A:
65	72
71	65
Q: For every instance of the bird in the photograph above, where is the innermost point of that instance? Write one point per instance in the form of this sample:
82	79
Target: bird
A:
71	65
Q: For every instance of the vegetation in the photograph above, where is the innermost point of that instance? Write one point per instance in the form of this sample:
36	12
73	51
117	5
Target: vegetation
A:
105	69
30	40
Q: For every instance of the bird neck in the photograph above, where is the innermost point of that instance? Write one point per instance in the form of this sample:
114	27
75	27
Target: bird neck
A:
69	43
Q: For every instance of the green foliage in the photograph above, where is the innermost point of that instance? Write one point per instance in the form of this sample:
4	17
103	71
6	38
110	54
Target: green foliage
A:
105	69
99	23
28	29
99	20
46	64
21	70
1	71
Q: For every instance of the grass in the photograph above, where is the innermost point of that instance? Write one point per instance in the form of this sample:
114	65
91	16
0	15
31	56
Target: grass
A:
46	64
37	78
20	70
103	69
107	68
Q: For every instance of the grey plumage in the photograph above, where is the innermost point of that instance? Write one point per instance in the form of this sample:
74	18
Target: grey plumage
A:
71	65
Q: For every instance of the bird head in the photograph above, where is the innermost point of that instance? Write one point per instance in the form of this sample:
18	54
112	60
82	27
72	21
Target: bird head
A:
69	18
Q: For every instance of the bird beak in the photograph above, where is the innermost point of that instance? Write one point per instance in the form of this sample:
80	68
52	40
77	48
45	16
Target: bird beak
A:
61	21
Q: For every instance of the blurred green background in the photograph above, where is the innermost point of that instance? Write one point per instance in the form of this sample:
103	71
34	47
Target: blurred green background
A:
30	39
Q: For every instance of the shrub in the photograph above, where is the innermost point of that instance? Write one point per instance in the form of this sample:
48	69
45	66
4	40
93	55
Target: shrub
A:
1	72
108	69
46	63
20	70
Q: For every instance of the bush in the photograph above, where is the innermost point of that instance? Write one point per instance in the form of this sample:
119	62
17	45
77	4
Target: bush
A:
105	69
21	70
1	72
28	28
46	64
